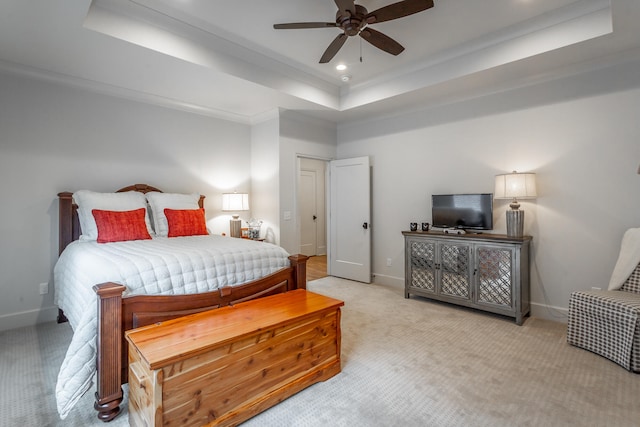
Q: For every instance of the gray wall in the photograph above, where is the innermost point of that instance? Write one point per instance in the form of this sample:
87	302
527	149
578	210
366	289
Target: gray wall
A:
300	136
265	165
279	140
57	138
581	135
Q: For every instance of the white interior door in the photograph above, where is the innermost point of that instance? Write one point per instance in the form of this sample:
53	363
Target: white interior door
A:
308	212
350	222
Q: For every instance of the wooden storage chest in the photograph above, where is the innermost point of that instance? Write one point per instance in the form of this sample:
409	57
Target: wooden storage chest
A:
224	366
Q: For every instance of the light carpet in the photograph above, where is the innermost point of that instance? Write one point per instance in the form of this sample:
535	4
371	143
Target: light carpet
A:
405	362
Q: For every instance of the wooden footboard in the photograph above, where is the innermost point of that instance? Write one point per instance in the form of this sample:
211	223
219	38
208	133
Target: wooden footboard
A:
117	314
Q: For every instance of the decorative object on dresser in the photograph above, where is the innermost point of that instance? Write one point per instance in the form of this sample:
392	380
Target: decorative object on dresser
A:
221	367
488	272
235	202
100	315
515	186
253	231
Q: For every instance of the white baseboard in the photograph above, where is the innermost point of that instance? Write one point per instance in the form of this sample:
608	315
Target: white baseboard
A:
384	279
28	318
549	312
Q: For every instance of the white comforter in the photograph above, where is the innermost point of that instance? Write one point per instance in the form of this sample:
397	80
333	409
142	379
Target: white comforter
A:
161	266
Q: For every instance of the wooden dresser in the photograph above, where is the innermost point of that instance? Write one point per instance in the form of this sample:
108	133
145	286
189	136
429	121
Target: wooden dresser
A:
224	366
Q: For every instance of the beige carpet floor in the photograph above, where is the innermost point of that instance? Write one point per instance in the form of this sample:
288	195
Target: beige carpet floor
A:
406	362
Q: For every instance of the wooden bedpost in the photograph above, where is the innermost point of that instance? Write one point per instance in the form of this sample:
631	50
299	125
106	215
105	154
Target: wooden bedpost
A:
65	220
299	264
65	231
109	350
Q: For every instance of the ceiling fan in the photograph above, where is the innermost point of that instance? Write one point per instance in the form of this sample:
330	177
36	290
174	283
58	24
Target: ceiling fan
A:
354	20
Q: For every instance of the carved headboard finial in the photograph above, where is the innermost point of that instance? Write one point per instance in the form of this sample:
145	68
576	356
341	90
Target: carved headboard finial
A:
142	188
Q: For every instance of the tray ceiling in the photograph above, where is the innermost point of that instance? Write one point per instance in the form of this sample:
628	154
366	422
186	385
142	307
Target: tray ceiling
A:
224	58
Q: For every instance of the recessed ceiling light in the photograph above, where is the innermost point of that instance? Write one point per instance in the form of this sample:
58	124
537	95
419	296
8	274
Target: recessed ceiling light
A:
341	67
345	77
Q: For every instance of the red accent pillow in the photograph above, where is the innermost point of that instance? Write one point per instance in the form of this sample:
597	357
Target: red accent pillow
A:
186	222
119	226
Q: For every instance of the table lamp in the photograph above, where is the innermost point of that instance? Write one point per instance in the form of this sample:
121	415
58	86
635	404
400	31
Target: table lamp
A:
235	202
515	186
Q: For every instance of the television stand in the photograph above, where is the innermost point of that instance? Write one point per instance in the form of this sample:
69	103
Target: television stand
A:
487	272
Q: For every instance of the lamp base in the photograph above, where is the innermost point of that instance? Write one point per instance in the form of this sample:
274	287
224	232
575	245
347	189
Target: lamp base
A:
515	223
235	227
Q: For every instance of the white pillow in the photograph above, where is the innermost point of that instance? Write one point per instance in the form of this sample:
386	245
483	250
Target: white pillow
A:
161	201
89	200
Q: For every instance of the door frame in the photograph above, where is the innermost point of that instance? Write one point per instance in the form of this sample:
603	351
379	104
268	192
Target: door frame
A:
327	198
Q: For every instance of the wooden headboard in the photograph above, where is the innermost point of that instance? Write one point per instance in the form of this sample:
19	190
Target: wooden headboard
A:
69	225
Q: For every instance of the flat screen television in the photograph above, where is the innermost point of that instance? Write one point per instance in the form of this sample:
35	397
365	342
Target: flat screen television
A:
465	211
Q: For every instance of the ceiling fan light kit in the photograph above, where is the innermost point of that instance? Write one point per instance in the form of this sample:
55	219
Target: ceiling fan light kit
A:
354	20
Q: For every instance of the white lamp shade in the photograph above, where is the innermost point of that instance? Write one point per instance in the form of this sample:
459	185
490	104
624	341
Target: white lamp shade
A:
235	202
515	186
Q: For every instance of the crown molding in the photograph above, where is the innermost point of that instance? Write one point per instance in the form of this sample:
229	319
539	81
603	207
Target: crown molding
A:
119	92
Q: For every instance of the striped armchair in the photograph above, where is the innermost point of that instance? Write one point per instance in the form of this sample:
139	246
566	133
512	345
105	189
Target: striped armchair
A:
608	322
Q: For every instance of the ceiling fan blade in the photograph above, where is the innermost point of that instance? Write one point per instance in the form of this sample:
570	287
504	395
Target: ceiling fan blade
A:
398	10
298	25
381	41
346	5
333	48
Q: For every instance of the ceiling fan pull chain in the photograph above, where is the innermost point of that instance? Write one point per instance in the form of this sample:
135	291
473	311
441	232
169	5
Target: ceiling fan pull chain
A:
360	49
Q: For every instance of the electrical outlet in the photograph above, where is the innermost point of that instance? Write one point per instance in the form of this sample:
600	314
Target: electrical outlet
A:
44	288
388	262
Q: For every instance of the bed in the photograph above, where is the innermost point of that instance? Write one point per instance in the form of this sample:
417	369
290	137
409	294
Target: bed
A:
118	308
